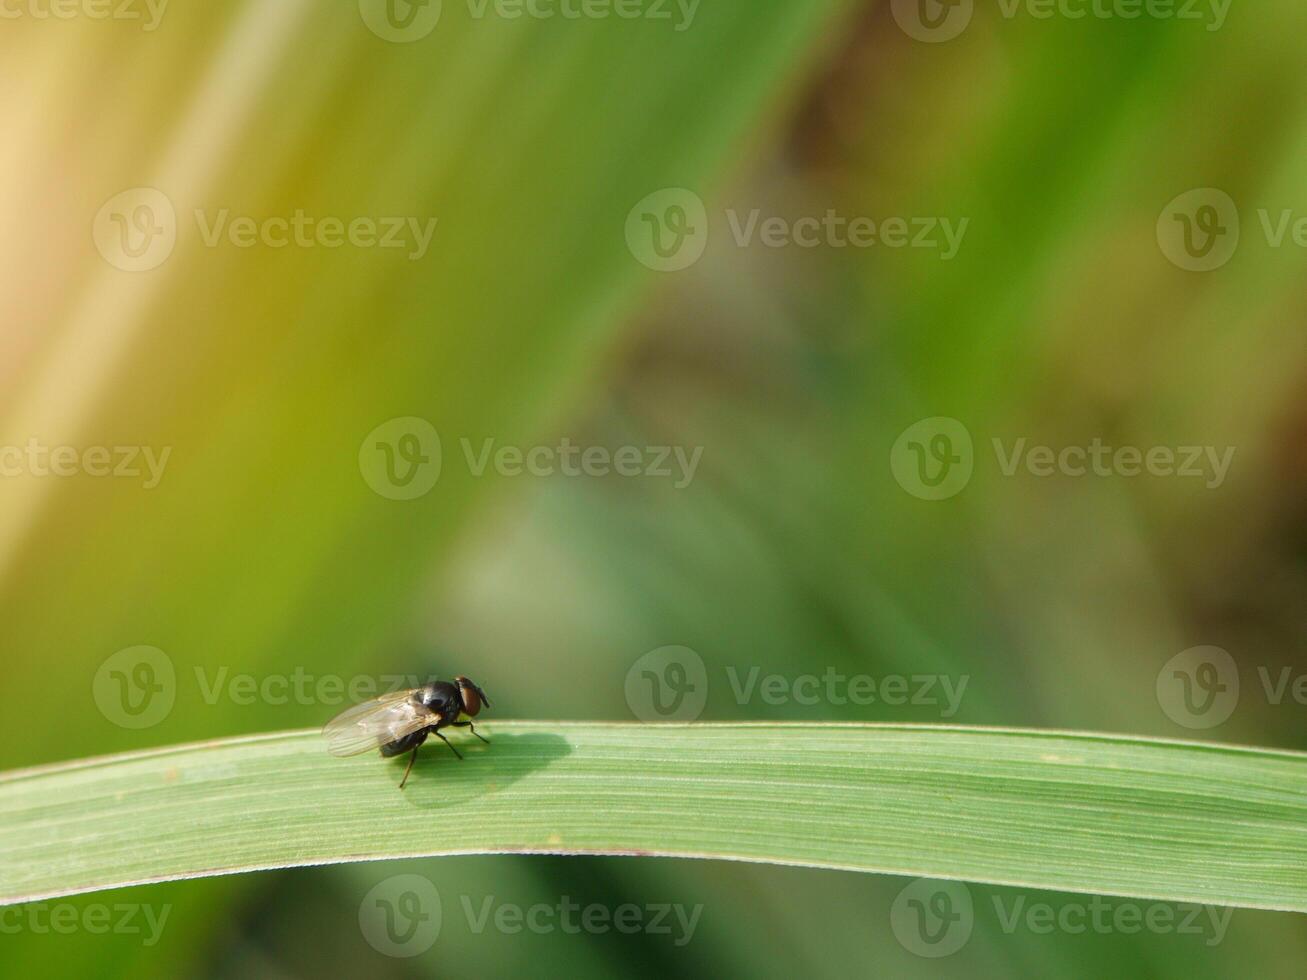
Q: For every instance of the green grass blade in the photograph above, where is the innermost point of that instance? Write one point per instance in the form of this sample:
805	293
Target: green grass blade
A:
1088	813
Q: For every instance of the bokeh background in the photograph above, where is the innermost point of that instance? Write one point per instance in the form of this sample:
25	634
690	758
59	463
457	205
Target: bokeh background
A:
534	317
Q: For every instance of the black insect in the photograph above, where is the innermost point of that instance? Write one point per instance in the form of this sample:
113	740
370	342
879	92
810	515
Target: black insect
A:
401	720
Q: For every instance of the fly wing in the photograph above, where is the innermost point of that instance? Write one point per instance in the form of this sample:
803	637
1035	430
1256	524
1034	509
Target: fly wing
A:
375	723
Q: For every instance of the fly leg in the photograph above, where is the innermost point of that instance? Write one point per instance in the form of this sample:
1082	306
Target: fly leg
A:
468	724
450	744
411	759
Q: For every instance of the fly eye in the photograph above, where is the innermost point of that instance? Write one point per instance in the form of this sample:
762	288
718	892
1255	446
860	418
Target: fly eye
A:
471	700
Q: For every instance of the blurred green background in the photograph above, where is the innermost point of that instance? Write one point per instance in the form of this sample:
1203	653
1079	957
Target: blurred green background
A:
534	316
